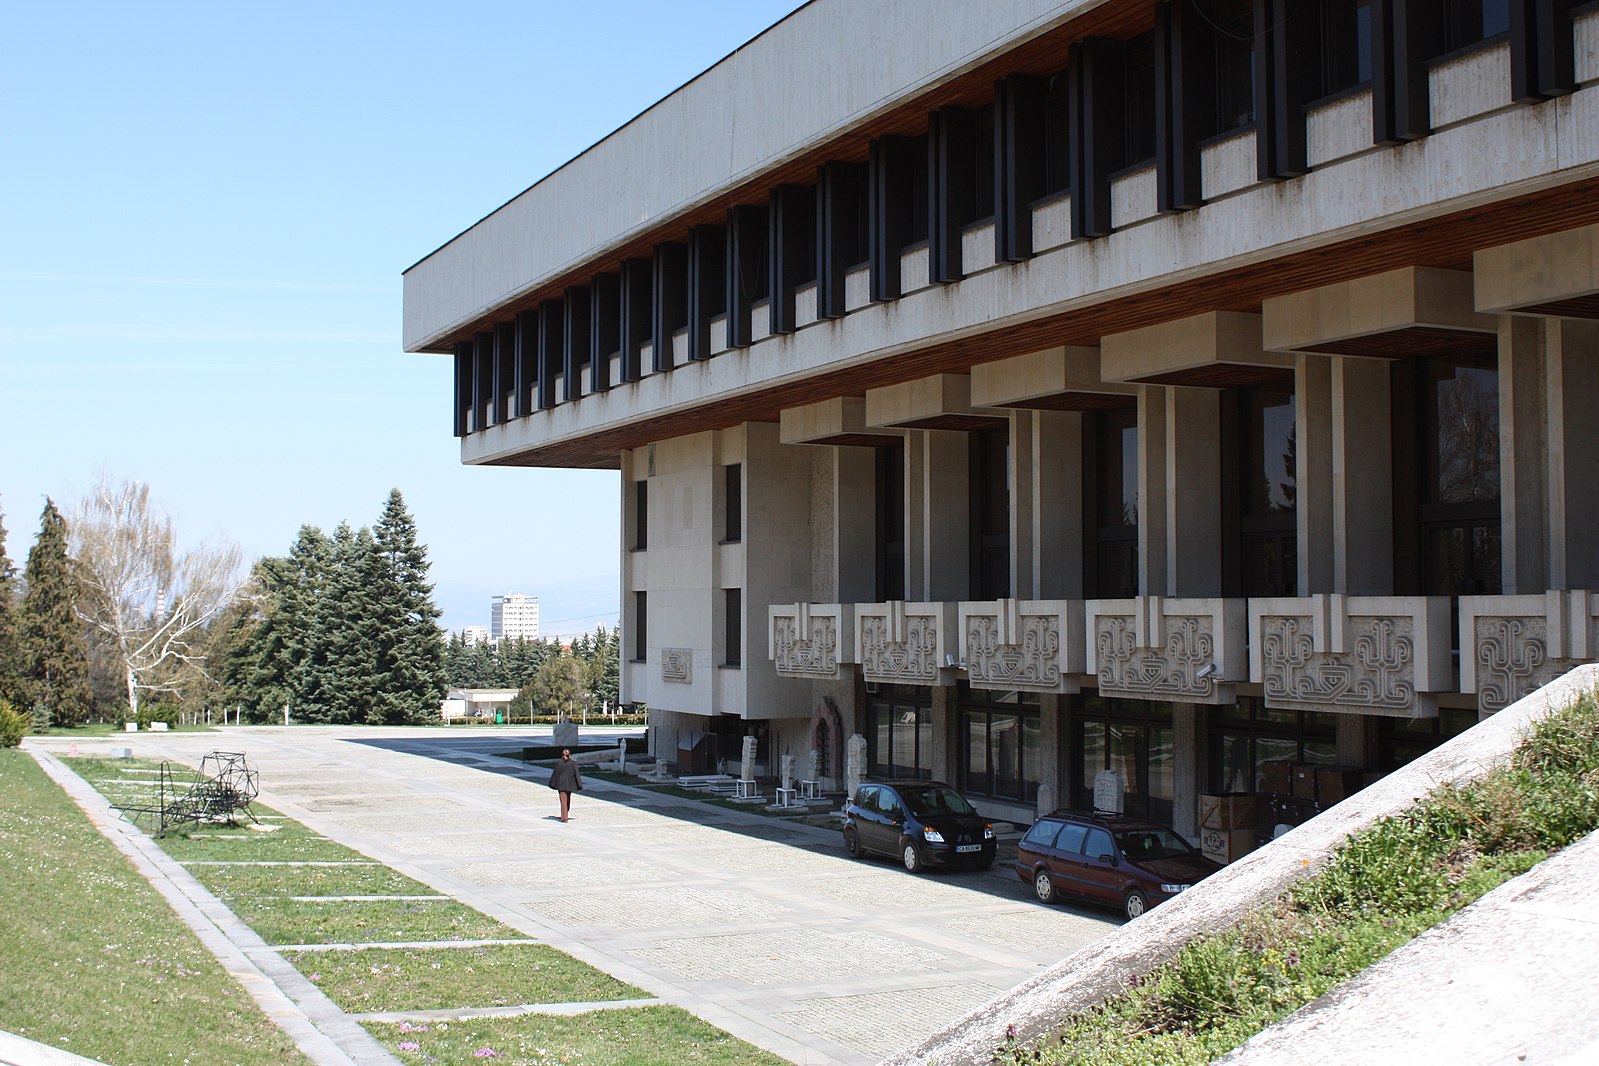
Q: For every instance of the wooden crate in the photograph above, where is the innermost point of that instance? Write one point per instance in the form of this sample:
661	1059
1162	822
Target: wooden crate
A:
1236	811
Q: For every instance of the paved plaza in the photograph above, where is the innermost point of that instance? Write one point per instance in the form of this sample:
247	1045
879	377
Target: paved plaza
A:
758	925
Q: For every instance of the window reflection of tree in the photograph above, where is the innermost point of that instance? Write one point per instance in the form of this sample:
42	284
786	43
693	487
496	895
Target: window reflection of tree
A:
1468	436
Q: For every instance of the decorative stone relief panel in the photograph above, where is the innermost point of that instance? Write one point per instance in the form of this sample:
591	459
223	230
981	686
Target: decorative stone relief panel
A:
677	664
1190	650
905	643
1518	644
1031	645
1372	655
810	639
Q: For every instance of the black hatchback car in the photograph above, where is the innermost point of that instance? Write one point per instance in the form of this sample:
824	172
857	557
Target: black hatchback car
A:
1124	862
921	823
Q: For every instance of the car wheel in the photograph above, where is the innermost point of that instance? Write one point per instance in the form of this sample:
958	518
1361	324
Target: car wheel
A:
1135	904
1044	887
852	845
912	857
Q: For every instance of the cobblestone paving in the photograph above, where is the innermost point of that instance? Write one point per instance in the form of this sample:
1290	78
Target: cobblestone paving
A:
762	927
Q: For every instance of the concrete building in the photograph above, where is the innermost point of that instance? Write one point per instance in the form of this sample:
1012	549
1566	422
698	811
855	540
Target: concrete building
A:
514	617
1048	387
475	635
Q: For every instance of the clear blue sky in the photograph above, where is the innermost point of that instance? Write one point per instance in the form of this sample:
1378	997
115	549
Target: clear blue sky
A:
206	209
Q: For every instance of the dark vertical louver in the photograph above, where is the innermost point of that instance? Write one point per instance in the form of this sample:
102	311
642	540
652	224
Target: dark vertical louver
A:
638	282
527	363
949	153
889	210
1542	50
1019	127
707	286
1399	109
552	349
1096	109
787	251
505	372
579	342
746	270
670	301
463	387
605	334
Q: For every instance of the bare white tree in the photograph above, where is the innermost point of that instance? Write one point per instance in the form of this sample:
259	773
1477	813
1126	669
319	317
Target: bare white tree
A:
149	602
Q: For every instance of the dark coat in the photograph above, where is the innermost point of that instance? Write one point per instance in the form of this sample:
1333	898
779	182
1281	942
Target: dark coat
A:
565	778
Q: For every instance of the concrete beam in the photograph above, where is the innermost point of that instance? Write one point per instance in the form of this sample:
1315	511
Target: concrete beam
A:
1214	349
1389	311
1557	275
1059	379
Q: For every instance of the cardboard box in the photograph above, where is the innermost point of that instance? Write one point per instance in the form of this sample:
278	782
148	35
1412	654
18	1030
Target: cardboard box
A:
1277	776
1226	845
1337	783
1304	775
1235	811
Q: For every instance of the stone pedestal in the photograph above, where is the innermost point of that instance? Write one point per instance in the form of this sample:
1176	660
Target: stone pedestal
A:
854	765
565	735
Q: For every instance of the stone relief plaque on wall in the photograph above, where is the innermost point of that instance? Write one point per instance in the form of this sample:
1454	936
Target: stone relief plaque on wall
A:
1518	644
677	664
1032	645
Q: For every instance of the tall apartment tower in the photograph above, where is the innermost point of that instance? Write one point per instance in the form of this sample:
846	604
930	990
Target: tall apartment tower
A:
514	617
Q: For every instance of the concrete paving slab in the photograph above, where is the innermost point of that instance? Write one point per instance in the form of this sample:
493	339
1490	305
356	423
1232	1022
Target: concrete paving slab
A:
761	927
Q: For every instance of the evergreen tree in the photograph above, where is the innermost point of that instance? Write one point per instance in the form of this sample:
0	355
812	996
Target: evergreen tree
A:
55	650
409	652
10	643
340	671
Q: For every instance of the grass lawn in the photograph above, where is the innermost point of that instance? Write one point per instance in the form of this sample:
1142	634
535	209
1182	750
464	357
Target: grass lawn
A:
634	1036
113	729
94	959
494	975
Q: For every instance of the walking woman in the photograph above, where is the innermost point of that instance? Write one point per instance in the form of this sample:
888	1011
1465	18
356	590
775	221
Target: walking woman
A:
566	780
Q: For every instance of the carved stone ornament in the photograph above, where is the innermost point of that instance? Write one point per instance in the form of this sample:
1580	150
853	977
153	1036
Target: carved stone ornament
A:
913	660
1032	662
1178	667
816	657
677	664
1513	659
1377	673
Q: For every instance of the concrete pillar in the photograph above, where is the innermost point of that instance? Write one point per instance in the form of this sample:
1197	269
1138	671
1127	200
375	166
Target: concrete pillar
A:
1363	505
1573	383
1193	499
1057	488
1024	505
1357	740
947	521
1525	465
1313	471
1152	503
855	531
1051	788
1188	777
946	736
916	511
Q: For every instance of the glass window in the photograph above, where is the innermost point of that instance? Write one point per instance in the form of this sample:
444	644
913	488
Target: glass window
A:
1099	843
890	528
1133	738
1138	94
641	621
733	626
899	736
1003	750
1041	835
733	501
1268	492
1251	734
1459	498
1071	839
1143	844
1234	24
1345	44
641	515
990	513
1114	525
1466	22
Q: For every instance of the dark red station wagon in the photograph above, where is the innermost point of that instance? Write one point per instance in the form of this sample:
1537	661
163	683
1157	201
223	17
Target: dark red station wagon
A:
1107	858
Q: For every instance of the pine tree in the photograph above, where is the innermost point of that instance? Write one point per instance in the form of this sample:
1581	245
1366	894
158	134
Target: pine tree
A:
409	652
55	650
340	667
10	644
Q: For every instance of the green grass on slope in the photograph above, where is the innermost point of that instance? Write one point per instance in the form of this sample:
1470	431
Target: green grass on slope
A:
94	960
1382	887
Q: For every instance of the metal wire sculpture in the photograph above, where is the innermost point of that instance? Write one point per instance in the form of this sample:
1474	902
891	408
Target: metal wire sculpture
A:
221	790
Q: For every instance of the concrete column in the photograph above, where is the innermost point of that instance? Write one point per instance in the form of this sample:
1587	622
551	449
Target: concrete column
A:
1573	383
947	522
916	509
855	532
1023	505
1188	778
1525	465
1066	771
1193	502
946	740
1357	740
1313	471
1051	789
1363	504
1152	503
1057	489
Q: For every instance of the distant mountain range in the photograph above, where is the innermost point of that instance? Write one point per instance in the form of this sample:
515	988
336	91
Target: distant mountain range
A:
567	607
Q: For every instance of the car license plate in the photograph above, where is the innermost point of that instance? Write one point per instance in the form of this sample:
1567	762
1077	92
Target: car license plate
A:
968	847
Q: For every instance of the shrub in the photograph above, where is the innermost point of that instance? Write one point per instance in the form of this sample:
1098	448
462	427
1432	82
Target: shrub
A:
159	712
13	725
